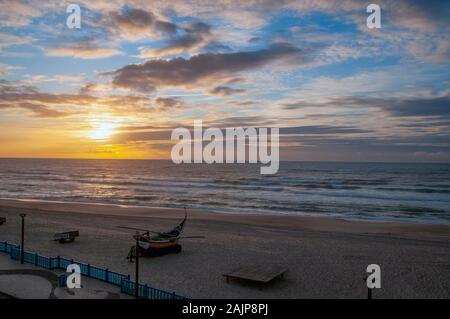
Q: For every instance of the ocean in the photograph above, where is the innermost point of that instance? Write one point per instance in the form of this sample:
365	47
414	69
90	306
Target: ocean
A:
369	191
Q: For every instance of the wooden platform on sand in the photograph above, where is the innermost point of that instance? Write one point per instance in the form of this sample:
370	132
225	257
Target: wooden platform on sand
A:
259	274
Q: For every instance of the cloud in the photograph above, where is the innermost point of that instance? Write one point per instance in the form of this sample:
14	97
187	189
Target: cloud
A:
241	121
412	107
321	129
134	24
438	106
18	13
86	51
286	134
194	36
7	40
14	95
61	78
411	14
225	91
242	103
168	102
208	67
355	148
39	110
18	96
429	48
419	15
403	107
6	69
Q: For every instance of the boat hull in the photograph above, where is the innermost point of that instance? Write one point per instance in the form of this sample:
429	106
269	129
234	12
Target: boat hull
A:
158	249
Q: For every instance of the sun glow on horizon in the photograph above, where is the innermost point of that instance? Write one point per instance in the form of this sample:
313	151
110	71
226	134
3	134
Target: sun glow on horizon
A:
102	131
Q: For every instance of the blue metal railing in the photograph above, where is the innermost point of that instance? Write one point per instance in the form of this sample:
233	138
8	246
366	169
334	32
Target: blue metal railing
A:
126	285
146	291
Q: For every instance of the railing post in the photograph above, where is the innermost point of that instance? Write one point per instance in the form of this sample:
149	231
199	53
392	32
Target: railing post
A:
145	291
35	259
59	262
89	270
22	254
106	274
173	295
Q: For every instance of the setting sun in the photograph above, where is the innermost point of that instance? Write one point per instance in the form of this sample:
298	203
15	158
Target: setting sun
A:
102	131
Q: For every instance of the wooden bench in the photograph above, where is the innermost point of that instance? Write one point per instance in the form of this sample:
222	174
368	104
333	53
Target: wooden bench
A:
66	237
2	220
261	274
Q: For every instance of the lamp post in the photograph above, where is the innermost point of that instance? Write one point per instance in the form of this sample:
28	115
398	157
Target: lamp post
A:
22	239
369	290
136	288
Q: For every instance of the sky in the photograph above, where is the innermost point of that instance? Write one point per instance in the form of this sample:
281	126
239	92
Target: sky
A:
135	70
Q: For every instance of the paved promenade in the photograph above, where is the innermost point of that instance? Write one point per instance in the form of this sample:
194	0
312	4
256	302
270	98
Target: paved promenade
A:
29	282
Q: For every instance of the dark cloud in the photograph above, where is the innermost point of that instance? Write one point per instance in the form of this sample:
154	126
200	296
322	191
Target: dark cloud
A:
404	107
138	23
422	107
427	124
241	121
418	14
168	102
134	19
193	36
90	87
225	91
397	107
14	95
235	80
298	105
321	129
166	27
242	103
194	33
152	74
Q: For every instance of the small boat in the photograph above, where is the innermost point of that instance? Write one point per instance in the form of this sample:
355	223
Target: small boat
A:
159	244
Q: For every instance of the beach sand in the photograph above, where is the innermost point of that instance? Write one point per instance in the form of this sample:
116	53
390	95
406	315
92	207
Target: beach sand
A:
326	257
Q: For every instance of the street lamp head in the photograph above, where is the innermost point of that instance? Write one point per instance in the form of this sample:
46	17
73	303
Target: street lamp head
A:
23	215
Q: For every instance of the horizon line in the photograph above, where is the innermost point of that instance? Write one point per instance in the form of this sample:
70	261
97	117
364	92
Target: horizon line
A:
169	160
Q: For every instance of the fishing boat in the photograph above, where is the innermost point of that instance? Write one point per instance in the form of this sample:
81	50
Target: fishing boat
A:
159	244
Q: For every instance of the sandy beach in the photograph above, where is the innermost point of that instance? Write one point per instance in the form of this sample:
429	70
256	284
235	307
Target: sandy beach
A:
326	258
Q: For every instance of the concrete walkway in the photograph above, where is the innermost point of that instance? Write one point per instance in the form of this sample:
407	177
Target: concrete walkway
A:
29	282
